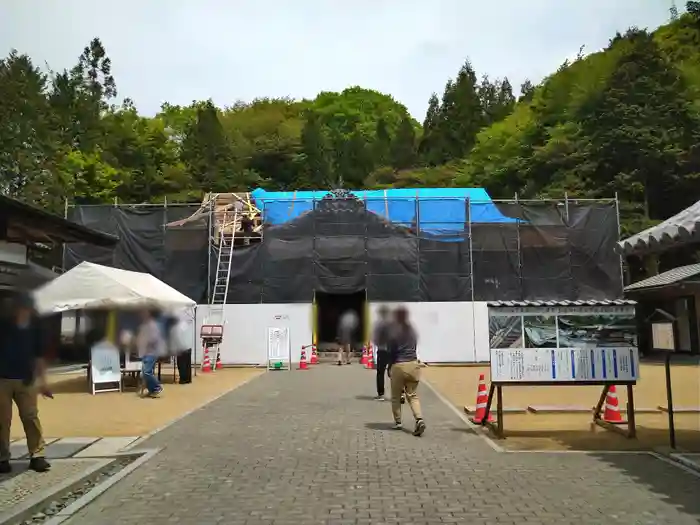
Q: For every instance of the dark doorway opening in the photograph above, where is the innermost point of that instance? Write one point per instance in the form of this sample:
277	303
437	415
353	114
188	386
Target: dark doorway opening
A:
329	308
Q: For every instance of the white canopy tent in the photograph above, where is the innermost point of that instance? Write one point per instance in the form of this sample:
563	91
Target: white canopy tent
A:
92	286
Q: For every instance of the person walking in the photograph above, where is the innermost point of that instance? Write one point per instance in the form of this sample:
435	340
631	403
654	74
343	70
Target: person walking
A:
180	346
380	338
405	369
22	377
151	345
349	321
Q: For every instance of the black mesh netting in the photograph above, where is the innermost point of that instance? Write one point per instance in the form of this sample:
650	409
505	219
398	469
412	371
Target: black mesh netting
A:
176	255
519	251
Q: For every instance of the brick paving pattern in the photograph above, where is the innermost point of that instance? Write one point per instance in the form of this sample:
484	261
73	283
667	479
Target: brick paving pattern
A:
303	448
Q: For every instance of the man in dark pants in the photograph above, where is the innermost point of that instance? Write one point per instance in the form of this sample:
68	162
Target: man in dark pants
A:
184	366
380	338
22	377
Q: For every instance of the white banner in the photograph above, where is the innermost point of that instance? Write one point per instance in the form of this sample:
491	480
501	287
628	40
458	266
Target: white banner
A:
278	344
523	365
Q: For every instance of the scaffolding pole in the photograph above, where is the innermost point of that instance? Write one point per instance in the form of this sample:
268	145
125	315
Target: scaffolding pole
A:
621	257
520	256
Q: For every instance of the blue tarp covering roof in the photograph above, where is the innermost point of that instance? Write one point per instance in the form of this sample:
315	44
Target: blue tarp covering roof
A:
441	210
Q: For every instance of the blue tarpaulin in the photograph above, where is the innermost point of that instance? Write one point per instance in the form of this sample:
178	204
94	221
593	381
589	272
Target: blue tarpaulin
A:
441	210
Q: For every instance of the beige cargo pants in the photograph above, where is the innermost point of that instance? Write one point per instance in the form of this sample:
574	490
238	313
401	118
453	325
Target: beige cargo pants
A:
405	378
25	397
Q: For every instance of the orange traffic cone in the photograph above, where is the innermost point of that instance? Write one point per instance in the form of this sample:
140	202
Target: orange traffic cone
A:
314	356
612	408
206	363
219	366
370	360
482	398
363	359
303	365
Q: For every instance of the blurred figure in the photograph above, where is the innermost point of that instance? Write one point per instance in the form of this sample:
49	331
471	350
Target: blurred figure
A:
180	346
349	321
22	377
151	346
405	369
380	337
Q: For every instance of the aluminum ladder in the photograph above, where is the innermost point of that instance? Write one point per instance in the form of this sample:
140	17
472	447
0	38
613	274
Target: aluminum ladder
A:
223	267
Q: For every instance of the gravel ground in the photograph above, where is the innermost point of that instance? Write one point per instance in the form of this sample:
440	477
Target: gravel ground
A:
52	507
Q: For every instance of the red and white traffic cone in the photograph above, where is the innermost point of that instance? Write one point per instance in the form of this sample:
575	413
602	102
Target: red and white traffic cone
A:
219	366
363	359
206	363
612	407
303	365
482	399
314	356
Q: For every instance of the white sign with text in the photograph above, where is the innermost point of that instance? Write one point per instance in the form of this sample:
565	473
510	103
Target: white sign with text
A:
561	365
105	368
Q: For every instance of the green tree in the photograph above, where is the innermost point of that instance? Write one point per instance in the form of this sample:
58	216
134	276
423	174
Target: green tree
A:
207	153
27	141
353	160
403	146
382	143
429	148
316	155
461	115
640	125
527	91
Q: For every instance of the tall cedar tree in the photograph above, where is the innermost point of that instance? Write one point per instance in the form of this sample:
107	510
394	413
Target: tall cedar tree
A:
461	115
207	152
429	147
317	171
403	146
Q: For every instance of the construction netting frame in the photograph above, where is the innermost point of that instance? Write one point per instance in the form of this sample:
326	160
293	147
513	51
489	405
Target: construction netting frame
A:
177	255
430	249
407	248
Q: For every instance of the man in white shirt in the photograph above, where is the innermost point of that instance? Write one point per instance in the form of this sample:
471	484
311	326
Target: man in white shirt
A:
349	321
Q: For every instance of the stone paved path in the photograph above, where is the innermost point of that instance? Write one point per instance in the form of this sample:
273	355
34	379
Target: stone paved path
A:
305	448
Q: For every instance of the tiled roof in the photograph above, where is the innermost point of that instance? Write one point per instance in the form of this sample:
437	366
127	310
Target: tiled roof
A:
667	278
682	228
517	304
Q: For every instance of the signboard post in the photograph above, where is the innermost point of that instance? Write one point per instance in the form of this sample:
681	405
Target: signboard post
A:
663	339
105	368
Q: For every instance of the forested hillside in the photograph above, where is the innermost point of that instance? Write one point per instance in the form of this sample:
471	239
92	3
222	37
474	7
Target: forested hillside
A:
625	120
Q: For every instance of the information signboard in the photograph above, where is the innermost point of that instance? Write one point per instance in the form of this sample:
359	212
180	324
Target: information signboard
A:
105	368
279	349
561	365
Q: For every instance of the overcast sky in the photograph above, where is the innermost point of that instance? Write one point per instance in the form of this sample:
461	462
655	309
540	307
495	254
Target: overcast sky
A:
228	50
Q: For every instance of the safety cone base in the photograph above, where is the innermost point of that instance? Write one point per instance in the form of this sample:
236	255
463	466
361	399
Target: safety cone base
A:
480	421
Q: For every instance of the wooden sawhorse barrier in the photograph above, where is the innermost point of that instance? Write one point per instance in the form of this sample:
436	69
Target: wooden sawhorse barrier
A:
630	432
